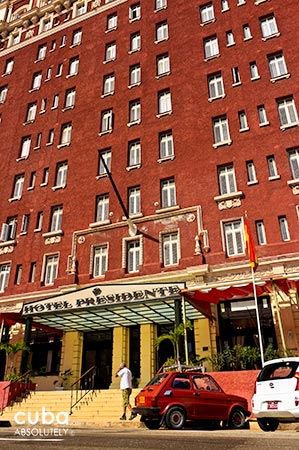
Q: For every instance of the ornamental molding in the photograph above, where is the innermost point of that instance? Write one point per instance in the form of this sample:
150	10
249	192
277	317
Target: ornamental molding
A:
53	240
6	249
229	201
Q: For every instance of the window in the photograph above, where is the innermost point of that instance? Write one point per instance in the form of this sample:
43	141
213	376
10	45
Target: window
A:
110	51
111	22
106	156
160	4
51	269
166	149
163	64
50	139
25	147
260	232
59	70
287	112
43	105
80	9
135	75
56	218
134	154
70	97
243	121
168	193
4	276
135	42
230	40
294	163
284	228
25	223
224	5
134	201
32	181
3	93
41	52
32	272
251	174
39	221
134	111
272	169
18	277
14	39
164	102
18	186
269	27
241	2
135	12
216	87
254	73
133	256
48	74
36	80
236	76
102	208
8	66
46	24
246	32
277	66
38	141
77	37
55	101
45	178
171	249
31	112
211	48
66	134
73	66
107	121
53	46
100	260
221	131
63	41
262	115
207	13
109	84
9	229
233	236
61	174
227	180
161	31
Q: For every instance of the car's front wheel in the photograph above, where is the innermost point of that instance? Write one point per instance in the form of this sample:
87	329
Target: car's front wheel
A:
151	424
268	424
175	418
237	419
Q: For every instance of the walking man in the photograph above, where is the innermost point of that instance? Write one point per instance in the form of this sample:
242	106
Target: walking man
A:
126	387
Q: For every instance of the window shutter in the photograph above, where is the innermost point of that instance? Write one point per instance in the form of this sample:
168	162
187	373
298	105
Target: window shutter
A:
4	232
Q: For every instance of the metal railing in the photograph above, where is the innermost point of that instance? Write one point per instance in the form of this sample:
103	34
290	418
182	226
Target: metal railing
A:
81	387
19	387
181	368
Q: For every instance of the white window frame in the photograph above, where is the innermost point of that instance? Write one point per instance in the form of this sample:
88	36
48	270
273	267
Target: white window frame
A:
109	84
135	12
227	180
168	193
25	147
254	72
230	38
164	103
207	13
135	42
294	163
73	66
269	27
36	81
107	156
251	173
134	201
102	208
260	232
135	112
3	93
77	37
56	218
133	255
9	66
272	168
112	20
166	145
262	114
31	112
243	123
42	51
50	269
162	32
107	121
100	260
284	228
163	65
277	66
61	174
18	186
215	86
247	32
70	98
211	47
287	112
134	154
234	244
171	251
160	4
4	275
221	131
110	51
224	5
135	75
66	134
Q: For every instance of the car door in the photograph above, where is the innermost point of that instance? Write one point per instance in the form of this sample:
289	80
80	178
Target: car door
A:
210	401
180	392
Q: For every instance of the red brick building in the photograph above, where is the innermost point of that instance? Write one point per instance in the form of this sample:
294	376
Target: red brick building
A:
193	106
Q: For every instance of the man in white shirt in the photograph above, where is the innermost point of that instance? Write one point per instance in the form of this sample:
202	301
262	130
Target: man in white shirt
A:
126	387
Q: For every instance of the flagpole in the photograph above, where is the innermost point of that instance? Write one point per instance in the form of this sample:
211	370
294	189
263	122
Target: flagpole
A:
258	318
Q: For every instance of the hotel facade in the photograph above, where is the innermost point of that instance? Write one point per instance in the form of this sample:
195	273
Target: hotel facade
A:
193	109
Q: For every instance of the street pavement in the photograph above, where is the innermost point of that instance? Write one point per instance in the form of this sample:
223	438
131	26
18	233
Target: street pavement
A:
138	439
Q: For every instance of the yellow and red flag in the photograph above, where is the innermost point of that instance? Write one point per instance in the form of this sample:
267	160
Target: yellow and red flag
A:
253	261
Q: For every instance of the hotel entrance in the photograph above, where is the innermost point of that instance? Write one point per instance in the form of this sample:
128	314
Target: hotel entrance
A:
97	351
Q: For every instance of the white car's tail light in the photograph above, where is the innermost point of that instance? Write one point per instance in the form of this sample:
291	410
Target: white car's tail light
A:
297	384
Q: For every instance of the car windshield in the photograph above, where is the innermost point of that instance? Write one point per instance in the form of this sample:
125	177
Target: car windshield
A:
158	379
278	371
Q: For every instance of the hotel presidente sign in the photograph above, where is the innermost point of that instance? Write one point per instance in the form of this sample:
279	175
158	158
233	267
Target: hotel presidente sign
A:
103	295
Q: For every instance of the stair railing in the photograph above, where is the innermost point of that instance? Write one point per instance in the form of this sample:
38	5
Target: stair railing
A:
81	387
13	389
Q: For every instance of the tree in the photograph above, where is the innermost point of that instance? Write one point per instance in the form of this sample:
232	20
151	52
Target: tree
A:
11	350
174	337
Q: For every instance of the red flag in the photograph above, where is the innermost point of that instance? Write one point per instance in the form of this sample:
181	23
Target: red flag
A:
253	261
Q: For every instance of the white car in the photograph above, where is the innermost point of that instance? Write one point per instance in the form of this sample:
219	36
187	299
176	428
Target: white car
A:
276	397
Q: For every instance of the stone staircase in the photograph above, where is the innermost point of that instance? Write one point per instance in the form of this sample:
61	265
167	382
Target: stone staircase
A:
98	408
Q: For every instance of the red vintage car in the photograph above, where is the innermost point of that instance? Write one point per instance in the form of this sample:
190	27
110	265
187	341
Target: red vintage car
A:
173	398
